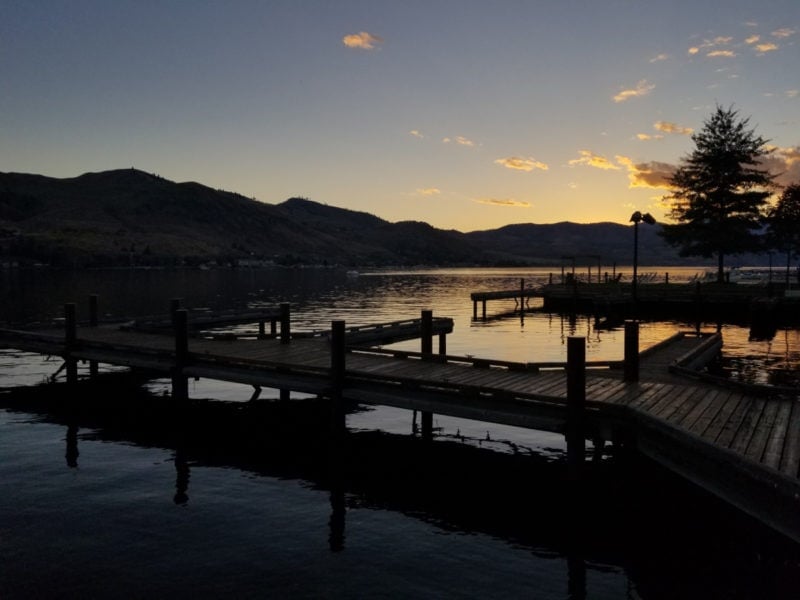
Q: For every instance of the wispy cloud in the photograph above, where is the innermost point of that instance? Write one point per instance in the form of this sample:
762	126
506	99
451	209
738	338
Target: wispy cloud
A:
752	40
459	139
721	53
642	89
654	175
431	191
518	163
721	40
647	136
659	58
416	133
784	32
591	159
792	93
362	40
507	202
667	127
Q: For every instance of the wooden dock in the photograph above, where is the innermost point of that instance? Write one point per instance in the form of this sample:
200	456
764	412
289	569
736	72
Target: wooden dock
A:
743	446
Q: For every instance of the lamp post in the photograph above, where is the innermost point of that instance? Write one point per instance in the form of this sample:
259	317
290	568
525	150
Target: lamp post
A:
637	218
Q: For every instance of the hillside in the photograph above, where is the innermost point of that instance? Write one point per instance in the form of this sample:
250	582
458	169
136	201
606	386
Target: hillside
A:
128	217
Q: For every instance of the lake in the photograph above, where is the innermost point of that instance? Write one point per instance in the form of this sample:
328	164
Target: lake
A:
118	499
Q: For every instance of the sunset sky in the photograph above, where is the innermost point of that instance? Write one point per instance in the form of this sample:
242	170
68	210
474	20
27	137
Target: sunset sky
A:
467	115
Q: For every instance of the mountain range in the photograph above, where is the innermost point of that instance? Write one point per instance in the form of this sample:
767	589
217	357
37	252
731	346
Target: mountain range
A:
129	217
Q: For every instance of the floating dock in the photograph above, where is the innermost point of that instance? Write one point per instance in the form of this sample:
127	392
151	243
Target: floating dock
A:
742	445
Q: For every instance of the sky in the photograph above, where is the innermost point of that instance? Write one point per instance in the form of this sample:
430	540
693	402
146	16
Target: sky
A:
466	115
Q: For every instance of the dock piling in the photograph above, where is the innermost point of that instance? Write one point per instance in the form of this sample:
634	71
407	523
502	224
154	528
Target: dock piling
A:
426	347
286	333
338	368
631	369
70	338
180	383
93	321
576	402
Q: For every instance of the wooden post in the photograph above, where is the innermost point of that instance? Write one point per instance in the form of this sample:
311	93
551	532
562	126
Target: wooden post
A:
262	330
286	333
666	277
484	310
442	344
174	304
273	328
631	370
70	338
426	332
93	321
474	310
521	294
426	347
576	402
338	368
180	383
550	278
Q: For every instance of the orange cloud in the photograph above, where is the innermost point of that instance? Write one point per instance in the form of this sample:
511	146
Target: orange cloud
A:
521	164
416	133
655	175
590	159
766	47
784	163
659	58
362	40
668	127
432	191
642	89
509	202
752	40
723	53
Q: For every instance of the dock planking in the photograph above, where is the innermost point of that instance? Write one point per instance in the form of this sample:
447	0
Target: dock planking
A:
725	432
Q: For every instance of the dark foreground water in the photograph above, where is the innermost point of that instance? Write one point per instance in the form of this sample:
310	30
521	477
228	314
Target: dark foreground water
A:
114	493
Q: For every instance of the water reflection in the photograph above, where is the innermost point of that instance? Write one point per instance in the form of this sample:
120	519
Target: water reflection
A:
72	453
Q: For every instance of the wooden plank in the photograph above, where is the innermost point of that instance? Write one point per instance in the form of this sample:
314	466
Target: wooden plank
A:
777	436
650	392
790	459
711	411
755	448
733	424
687	406
701	415
666	410
748	426
719	421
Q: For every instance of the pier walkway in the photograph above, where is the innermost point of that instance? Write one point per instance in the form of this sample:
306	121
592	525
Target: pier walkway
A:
743	446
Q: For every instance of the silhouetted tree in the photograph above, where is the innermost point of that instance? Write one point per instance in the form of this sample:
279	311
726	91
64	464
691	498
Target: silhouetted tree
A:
719	192
783	225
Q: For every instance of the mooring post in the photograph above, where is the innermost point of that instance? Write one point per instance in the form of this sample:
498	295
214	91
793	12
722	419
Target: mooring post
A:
338	368
474	310
521	294
576	403
442	344
93	321
286	333
262	330
426	347
70	338
631	370
174	304
180	383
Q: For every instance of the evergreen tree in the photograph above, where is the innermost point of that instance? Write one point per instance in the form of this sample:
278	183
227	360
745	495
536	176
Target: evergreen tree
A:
719	192
783	225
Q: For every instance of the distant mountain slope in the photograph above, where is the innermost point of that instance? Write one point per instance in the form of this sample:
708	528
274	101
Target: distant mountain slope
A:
127	217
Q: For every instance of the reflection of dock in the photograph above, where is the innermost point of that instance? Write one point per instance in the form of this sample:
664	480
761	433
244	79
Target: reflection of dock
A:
742	445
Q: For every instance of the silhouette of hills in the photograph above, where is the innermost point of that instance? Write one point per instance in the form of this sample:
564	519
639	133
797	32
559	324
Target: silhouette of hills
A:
129	217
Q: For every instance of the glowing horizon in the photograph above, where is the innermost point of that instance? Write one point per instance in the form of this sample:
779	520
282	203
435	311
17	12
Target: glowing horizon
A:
508	114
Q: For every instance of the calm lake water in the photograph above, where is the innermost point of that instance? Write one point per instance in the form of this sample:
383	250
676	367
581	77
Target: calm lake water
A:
120	498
